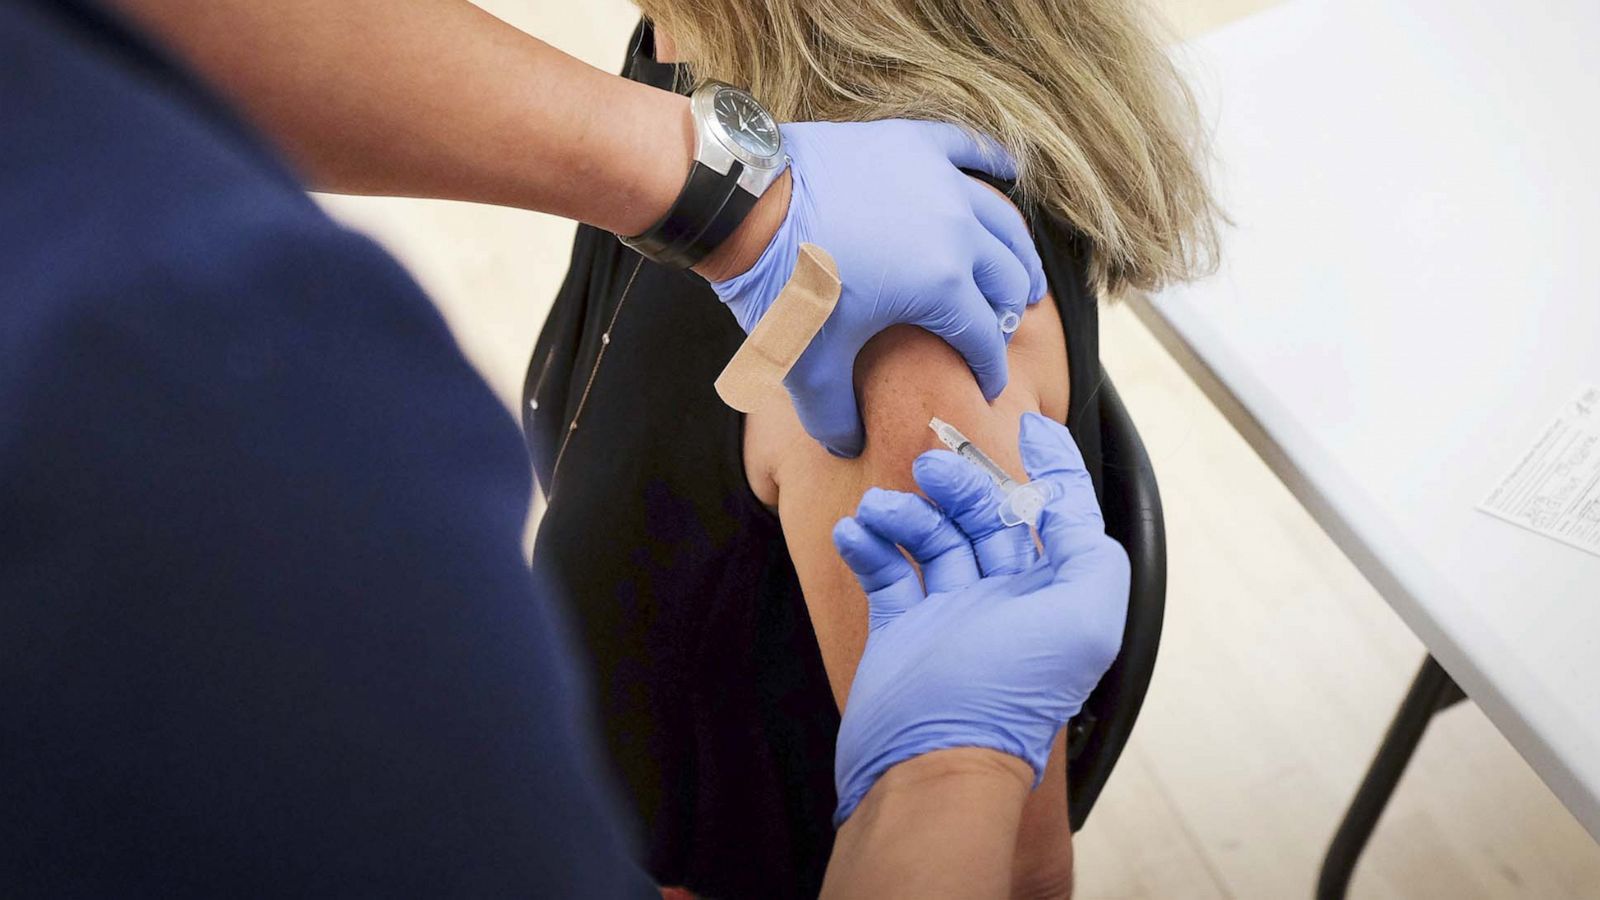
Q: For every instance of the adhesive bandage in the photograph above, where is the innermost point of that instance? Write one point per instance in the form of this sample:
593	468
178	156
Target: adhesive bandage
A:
755	375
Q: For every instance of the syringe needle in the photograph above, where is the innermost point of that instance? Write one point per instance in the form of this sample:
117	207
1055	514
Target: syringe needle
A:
1022	502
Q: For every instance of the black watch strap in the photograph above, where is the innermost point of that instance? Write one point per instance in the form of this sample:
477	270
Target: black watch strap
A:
708	209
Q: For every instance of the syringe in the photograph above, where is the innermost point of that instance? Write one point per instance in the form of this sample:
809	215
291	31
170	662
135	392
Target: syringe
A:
1023	502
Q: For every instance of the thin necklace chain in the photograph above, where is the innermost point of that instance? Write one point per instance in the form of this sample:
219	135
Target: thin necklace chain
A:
583	401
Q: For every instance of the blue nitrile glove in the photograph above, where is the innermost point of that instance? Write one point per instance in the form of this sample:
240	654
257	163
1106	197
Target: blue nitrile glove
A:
917	242
971	500
999	661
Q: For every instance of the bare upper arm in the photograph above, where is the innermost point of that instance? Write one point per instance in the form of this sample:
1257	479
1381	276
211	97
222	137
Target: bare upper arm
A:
903	376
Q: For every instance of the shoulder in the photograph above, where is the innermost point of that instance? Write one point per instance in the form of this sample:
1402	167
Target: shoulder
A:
903	377
906	371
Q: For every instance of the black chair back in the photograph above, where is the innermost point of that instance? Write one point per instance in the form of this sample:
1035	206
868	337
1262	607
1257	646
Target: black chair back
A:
1132	507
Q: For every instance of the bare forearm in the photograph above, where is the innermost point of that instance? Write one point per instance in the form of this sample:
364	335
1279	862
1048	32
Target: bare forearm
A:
437	98
940	825
1042	869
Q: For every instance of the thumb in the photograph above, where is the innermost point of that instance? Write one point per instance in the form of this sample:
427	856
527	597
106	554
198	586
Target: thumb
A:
824	394
1050	454
1071	523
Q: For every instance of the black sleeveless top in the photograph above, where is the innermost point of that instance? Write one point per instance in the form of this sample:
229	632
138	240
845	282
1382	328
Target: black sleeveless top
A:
713	700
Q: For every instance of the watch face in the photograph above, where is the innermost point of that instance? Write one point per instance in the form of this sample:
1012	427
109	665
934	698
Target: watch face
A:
746	122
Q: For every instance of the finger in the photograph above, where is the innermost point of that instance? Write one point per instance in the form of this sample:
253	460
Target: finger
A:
938	546
967	323
824	395
972	501
1005	222
1002	279
1071	522
969	151
890	583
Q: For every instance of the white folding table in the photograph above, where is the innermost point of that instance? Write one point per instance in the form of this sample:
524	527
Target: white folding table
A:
1410	292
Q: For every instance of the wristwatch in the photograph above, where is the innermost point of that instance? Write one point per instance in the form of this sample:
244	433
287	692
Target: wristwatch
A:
738	153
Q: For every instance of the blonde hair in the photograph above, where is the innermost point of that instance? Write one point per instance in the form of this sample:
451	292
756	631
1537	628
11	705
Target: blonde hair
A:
1104	130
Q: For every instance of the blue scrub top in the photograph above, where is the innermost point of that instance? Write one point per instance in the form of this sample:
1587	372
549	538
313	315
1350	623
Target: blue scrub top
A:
265	624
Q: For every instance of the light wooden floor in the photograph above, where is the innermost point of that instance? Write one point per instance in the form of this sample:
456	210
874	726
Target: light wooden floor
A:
1280	665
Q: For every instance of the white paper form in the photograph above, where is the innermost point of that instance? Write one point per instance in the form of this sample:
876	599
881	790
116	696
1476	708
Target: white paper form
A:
1555	489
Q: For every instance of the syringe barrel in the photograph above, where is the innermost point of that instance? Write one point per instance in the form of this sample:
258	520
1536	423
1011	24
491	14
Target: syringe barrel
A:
1023	502
980	459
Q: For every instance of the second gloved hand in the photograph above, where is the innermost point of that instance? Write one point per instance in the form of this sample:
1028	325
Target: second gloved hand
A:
917	242
961	659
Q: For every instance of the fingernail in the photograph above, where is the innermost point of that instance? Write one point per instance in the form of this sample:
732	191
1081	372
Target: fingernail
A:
931	464
847	534
875	496
941	468
957	486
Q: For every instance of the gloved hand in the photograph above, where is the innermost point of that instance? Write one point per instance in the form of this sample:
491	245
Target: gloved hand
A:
971	500
917	242
999	661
